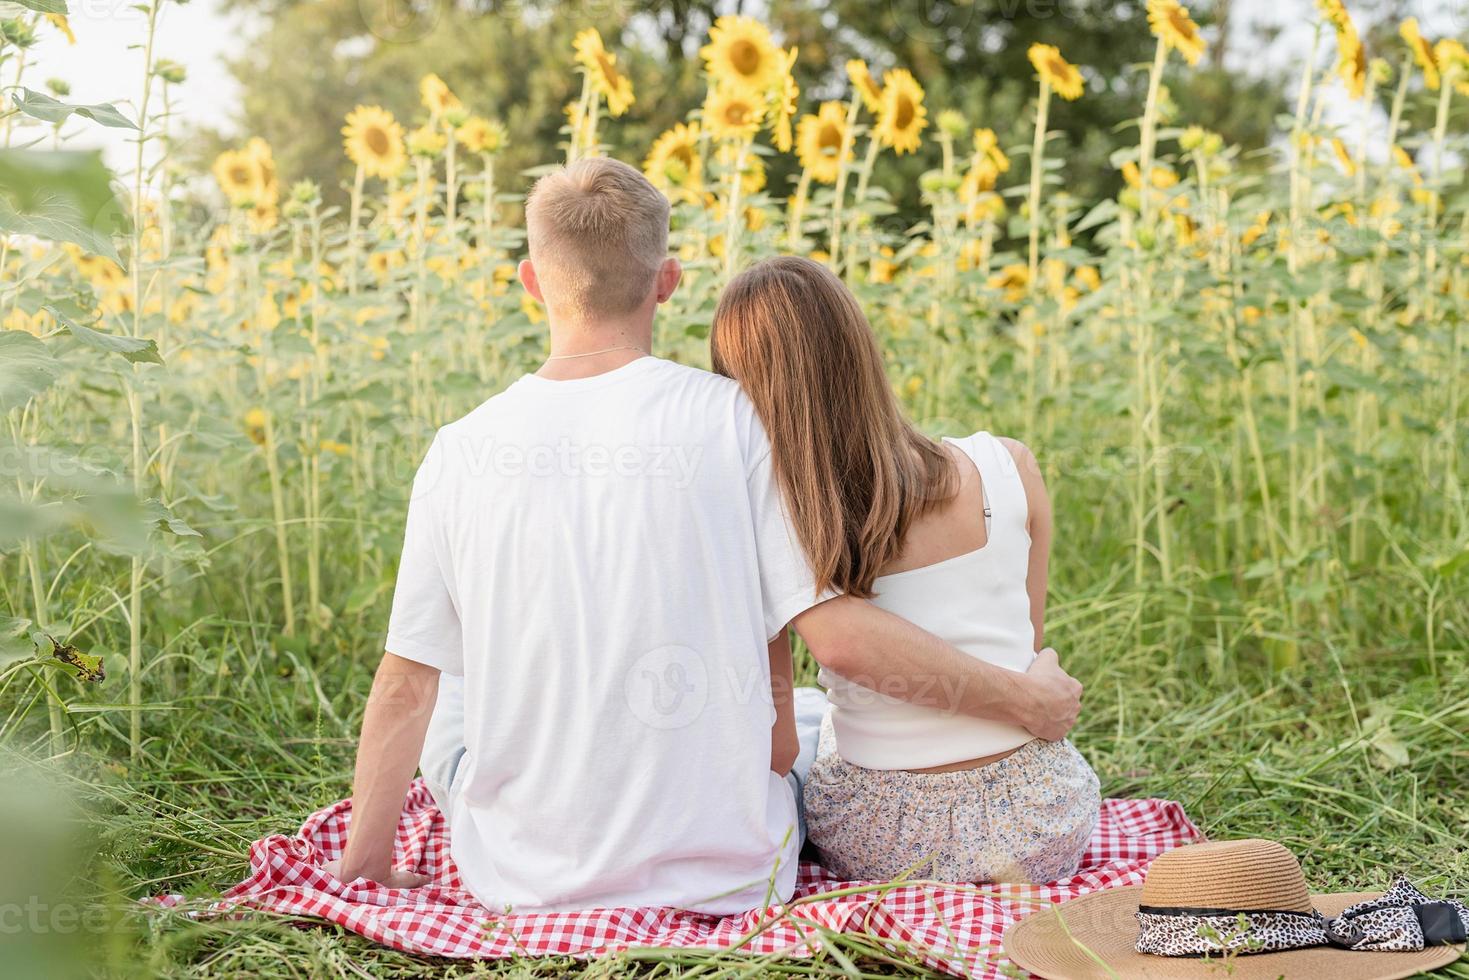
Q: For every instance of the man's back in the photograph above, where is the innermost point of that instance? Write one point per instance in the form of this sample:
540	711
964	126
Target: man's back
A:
604	559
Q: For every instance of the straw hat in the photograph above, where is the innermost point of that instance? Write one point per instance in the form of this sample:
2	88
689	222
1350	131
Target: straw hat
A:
1097	935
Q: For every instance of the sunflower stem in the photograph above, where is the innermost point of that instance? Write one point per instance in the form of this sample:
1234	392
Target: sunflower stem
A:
353	221
839	192
798	210
1149	134
134	398
1037	167
732	217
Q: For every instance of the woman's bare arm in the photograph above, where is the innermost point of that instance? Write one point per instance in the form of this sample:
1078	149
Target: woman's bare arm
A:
1038	523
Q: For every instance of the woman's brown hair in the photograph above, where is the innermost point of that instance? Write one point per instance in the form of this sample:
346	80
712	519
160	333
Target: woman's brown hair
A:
854	472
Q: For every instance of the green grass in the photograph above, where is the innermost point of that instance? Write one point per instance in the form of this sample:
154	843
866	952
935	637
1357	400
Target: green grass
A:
1357	765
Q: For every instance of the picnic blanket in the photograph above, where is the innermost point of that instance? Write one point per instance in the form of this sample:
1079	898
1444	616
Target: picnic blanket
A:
952	928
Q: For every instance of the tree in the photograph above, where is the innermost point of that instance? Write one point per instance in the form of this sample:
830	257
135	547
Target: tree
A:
512	60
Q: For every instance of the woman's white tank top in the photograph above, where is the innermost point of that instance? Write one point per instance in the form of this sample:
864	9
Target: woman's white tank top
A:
977	601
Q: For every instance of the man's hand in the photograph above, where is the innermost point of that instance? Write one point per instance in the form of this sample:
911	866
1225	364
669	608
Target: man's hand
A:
395	878
1053	698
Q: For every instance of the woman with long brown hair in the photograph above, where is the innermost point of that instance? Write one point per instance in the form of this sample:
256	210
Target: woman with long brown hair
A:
953	536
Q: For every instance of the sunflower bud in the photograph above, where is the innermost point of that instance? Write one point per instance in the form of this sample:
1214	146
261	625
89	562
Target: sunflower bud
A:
455	116
170	71
58	87
426	142
17	33
305	192
953	124
935	181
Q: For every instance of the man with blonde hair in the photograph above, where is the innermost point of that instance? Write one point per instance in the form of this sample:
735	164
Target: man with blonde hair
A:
598	563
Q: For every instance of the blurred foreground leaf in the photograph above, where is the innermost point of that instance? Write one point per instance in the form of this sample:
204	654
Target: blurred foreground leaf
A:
26	368
62	197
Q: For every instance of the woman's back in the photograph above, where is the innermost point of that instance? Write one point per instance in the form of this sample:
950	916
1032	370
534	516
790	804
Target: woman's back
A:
961	575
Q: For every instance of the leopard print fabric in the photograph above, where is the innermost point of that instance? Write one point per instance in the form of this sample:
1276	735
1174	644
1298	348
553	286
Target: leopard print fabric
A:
1175	934
1392	923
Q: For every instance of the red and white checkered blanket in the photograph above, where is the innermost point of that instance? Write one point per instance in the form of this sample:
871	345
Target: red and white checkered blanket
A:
954	928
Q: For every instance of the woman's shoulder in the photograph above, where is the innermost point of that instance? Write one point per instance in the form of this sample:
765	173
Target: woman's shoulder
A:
1005	449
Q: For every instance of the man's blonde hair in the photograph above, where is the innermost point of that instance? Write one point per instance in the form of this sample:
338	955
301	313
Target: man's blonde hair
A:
598	233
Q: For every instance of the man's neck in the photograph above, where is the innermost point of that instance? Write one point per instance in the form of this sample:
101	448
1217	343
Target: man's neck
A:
584	350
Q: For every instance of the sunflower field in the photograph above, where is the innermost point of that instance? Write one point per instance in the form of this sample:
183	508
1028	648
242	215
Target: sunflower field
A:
1244	378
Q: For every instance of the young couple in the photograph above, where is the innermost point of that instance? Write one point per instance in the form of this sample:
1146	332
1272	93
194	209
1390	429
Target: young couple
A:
588	654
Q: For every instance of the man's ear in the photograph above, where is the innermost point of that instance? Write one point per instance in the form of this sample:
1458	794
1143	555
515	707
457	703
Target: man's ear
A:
527	273
669	273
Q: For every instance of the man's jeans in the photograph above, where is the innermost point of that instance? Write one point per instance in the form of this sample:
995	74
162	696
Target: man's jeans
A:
443	747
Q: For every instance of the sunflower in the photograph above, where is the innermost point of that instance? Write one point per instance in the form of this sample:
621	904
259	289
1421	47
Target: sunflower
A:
1344	157
901	117
1055	71
481	135
1351	60
254	424
60	22
986	166
435	95
601	67
732	114
374	141
987	147
239	176
1173	26
259	151
262	216
1013	279
865	85
1422	52
1334	12
1351	56
741	55
674	165
819	140
784	108
1453	62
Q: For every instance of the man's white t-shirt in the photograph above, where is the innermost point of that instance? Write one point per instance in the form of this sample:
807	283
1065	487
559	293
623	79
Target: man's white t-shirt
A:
604	561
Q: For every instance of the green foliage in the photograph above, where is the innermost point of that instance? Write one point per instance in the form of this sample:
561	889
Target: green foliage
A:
47	109
60	196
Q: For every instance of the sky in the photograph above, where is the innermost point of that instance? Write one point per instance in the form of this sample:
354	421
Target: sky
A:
104	65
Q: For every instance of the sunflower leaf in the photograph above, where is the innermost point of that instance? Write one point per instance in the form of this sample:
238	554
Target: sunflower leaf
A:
45	6
26	368
134	349
50	110
60	196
